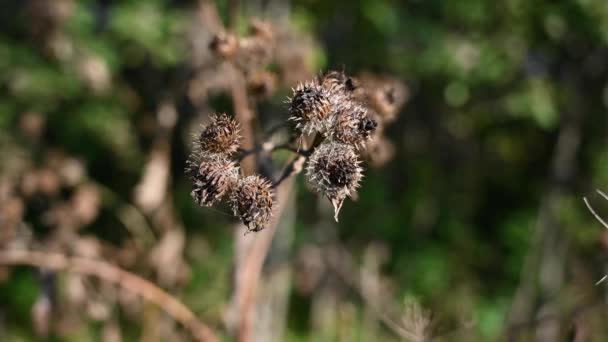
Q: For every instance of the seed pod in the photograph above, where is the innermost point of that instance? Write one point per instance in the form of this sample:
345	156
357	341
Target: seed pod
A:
222	135
310	107
379	151
338	82
333	169
252	201
351	124
224	45
213	175
254	53
384	95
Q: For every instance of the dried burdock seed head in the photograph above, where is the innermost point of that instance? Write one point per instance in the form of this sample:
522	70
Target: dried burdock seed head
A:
261	29
213	175
379	151
254	53
252	201
334	170
352	124
224	45
310	107
387	100
338	81
222	135
384	95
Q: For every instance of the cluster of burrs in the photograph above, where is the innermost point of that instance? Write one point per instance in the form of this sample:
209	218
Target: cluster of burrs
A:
328	107
340	119
215	175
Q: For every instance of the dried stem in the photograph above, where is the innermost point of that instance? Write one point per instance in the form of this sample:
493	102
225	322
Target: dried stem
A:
268	147
244	116
297	164
293	168
252	267
112	274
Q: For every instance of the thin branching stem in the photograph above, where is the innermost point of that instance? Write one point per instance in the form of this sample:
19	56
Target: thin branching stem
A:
294	167
268	147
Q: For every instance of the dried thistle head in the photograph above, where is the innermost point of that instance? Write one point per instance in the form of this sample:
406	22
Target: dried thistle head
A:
254	53
261	29
338	82
388	99
256	50
252	201
334	170
222	135
224	44
379	151
386	96
310	107
352	124
212	175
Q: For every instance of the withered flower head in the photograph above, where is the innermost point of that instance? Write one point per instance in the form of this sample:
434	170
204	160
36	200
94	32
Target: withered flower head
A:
252	201
212	176
388	99
385	95
352	124
261	29
333	169
224	45
222	135
310	107
254	53
338	81
379	151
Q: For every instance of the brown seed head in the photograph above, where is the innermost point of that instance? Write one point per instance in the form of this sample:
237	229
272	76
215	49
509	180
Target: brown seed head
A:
333	169
379	151
310	107
222	135
338	82
388	99
352	124
224	45
252	201
255	52
213	175
261	29
384	95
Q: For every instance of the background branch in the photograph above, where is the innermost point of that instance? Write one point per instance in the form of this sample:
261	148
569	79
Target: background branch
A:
113	274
